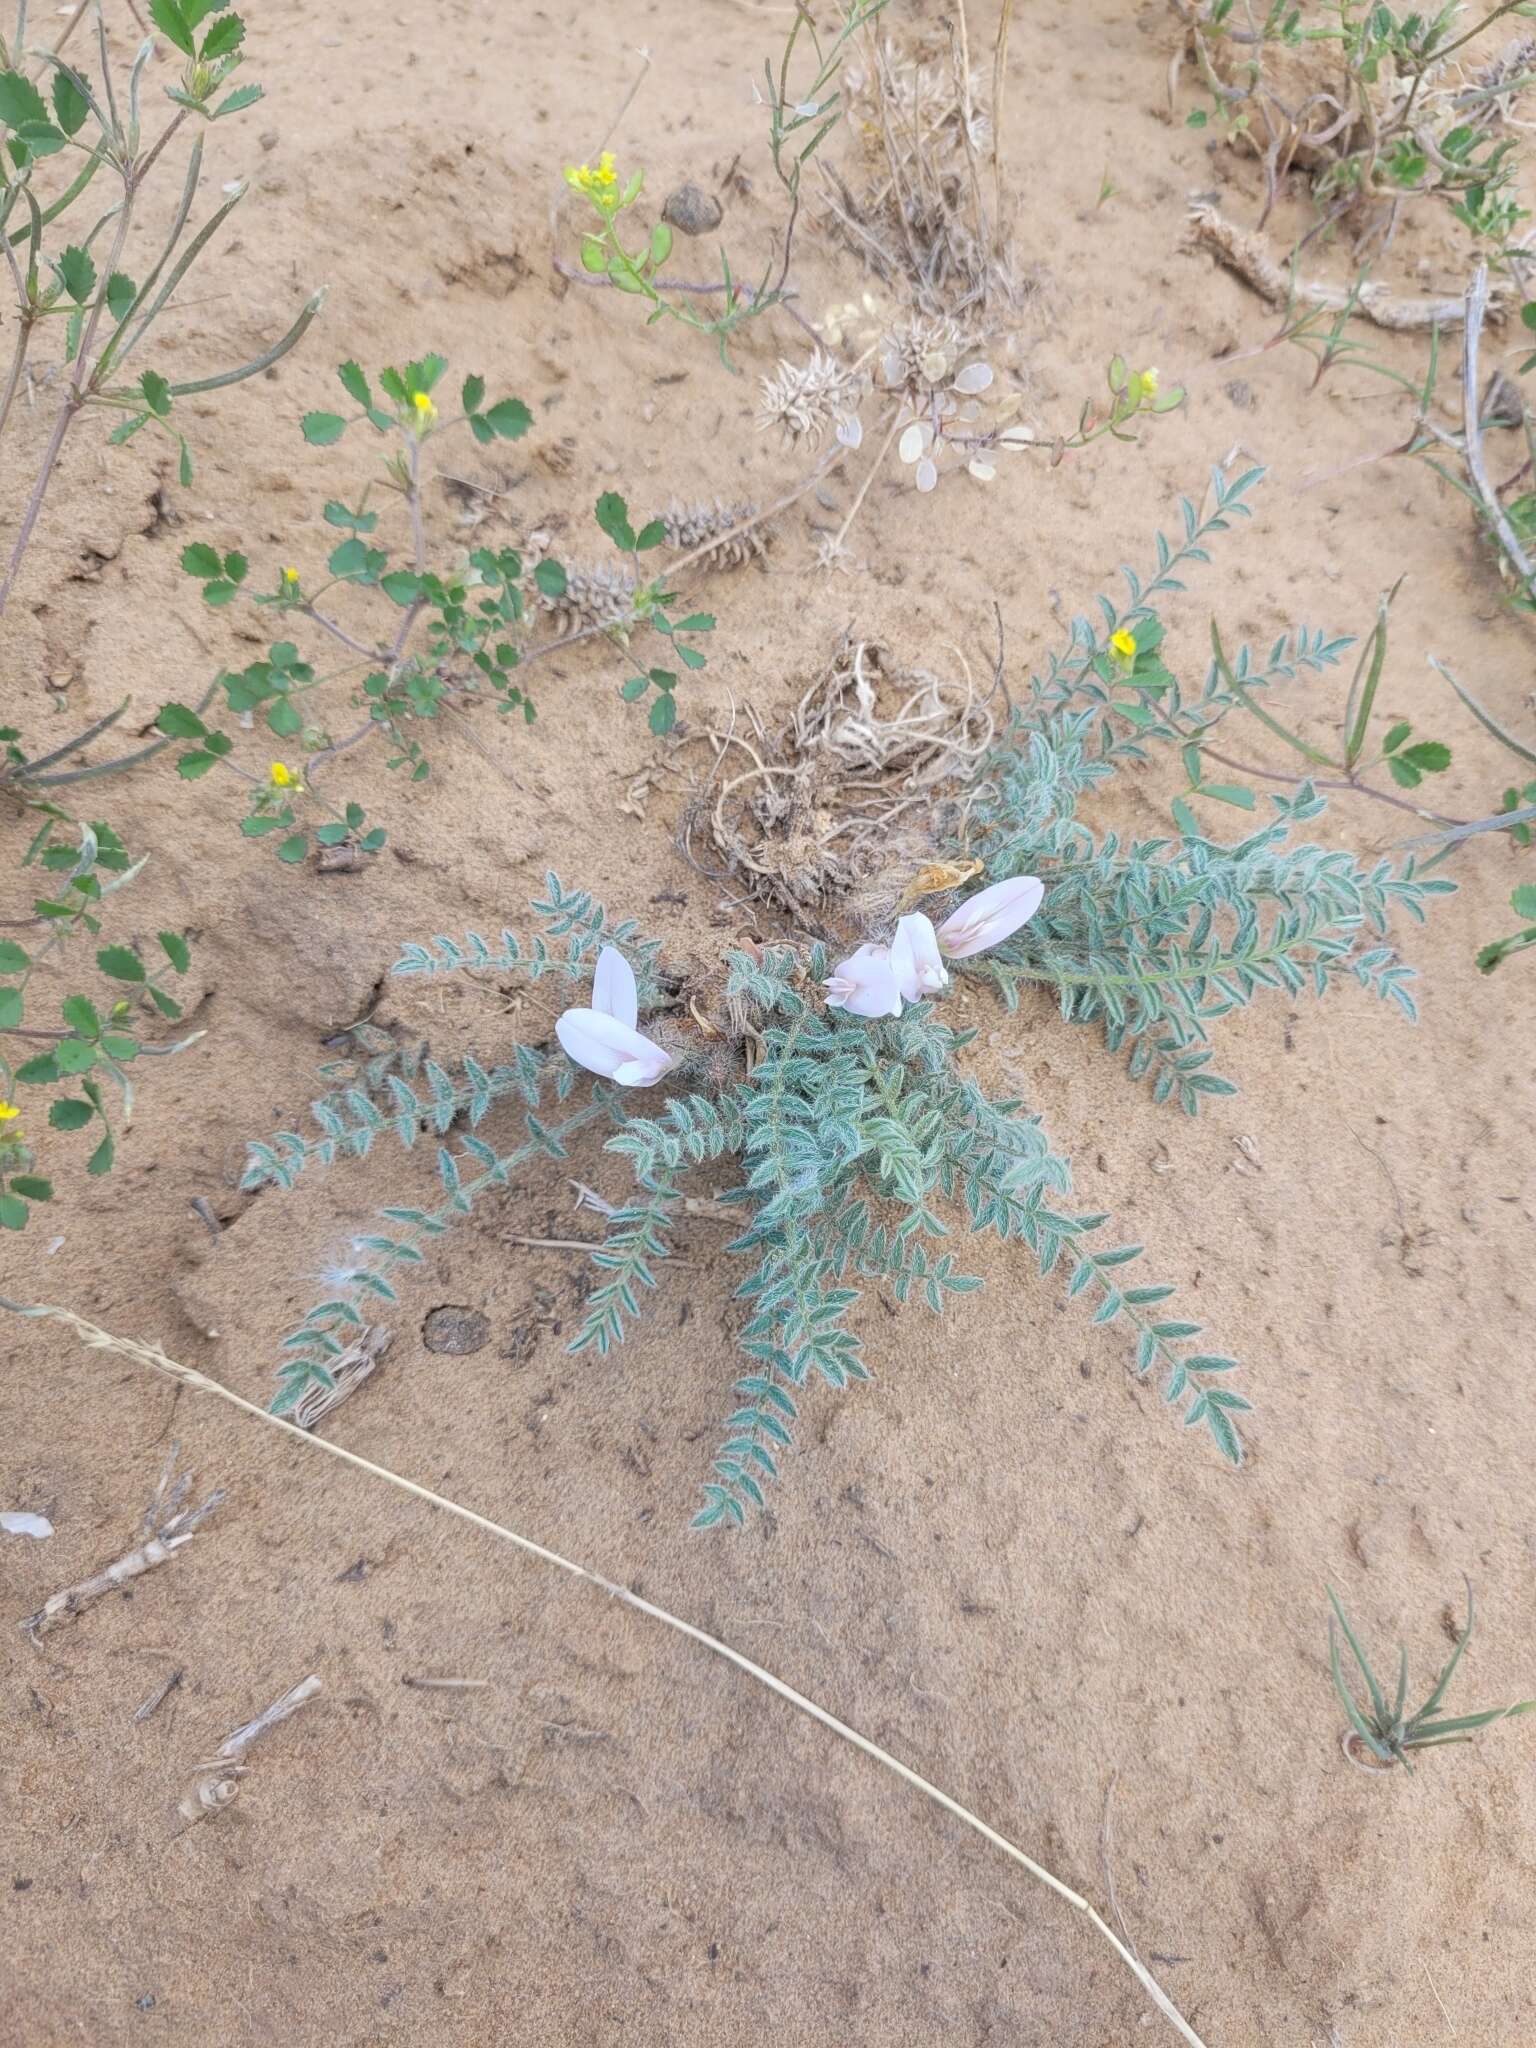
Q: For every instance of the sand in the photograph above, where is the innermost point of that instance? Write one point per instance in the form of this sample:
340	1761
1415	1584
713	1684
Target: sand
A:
1003	1560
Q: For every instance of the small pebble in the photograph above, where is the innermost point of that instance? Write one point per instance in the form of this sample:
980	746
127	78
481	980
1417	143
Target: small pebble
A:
691	211
456	1329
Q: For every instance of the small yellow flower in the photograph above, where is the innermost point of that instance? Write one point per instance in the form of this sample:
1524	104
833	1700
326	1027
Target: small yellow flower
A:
8	1112
426	411
1124	644
283	777
290	577
1149	383
582	177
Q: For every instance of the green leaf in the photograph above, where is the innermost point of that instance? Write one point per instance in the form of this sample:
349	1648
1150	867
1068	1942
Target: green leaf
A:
191	766
472	397
180	722
227	34
70	104
166	1005
12	957
651	535
1230	793
237	101
77	274
285	718
118	1046
321	429
74	1056
201	560
1522	901
1395	737
1428	756
661	244
101	1159
663	714
235	567
176	950
356	385
594	256
696	622
80	1015
401	585
20	100
169	19
11	1007
511	419
71	1114
613	518
120	963
33	1187
38	1072
157	393
1403	772
293	849
1185	818
550	578
13	1213
331	835
635	687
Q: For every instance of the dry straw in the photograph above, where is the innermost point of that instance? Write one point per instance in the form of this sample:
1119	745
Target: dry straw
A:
152	1356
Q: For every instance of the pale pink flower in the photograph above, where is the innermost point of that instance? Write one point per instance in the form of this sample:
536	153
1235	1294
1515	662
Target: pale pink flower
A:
915	959
990	916
603	1039
864	984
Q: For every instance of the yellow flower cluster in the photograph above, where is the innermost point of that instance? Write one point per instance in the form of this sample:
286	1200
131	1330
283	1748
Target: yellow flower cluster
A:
8	1112
290	576
283	777
595	183
1124	644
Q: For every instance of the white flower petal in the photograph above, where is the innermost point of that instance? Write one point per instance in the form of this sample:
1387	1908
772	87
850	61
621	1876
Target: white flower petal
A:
16	1523
605	1046
927	475
613	988
865	984
910	446
990	916
915	958
974	377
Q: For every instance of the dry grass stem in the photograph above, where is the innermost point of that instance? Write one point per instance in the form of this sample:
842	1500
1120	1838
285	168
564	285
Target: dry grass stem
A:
216	1784
348	1371
811	819
156	1360
168	1524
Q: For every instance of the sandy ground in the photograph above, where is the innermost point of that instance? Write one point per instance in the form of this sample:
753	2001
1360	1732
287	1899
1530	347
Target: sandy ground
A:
1002	1560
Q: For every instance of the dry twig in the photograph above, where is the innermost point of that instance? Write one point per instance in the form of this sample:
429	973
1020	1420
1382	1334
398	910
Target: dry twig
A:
1251	259
167	1525
348	1372
217	1782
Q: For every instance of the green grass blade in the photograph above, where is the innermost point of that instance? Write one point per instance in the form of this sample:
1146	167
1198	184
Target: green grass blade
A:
1378	1700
